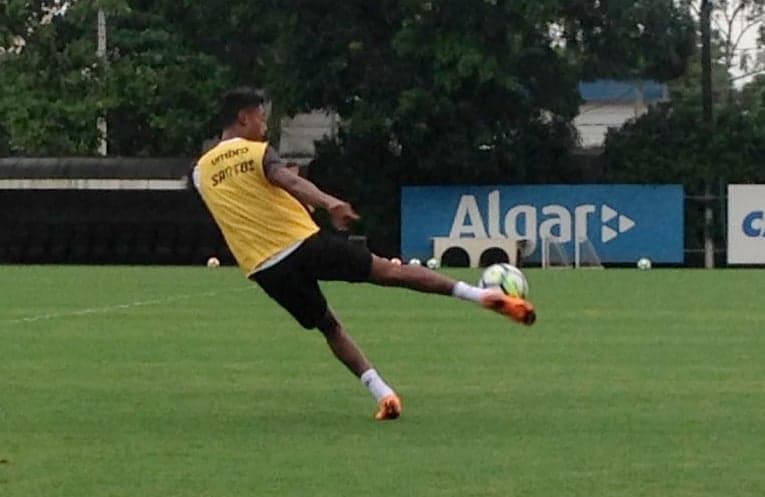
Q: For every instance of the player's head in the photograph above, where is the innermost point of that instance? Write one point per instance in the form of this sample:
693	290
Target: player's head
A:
242	111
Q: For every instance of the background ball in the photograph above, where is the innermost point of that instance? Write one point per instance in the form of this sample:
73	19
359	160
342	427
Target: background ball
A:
396	261
432	263
415	262
213	262
644	263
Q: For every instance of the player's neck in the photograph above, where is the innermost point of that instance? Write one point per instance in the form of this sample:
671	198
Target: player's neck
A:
230	133
235	132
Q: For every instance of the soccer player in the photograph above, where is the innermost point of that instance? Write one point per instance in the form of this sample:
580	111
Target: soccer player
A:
259	205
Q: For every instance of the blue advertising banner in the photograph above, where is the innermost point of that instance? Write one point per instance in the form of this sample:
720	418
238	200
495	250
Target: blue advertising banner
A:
623	222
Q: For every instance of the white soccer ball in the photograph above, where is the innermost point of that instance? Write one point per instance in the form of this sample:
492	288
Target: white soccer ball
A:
644	263
396	261
213	262
415	262
432	263
507	278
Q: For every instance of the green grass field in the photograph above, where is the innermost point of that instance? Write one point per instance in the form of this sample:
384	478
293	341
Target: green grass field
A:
149	381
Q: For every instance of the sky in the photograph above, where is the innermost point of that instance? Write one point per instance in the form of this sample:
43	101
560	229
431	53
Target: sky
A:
748	44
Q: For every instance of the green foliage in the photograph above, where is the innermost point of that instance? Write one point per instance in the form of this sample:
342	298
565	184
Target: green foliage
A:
628	38
47	101
5	148
672	144
752	96
668	145
240	35
448	86
434	93
158	94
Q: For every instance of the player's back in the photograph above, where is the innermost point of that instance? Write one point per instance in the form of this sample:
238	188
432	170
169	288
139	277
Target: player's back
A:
257	218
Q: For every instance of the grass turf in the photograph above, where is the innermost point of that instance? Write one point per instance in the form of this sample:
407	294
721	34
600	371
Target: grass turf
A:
133	381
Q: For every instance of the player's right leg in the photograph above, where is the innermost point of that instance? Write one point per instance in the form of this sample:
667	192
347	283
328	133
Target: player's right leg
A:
342	345
292	284
422	279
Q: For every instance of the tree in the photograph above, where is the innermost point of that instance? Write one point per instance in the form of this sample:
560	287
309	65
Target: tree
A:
733	21
158	94
495	67
630	39
432	92
240	34
45	105
752	95
666	146
19	19
704	136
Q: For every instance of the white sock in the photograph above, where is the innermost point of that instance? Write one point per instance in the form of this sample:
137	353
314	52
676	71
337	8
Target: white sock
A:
377	387
467	292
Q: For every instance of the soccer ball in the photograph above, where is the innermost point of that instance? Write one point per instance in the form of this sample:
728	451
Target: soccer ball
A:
396	261
415	262
507	278
432	263
644	263
213	262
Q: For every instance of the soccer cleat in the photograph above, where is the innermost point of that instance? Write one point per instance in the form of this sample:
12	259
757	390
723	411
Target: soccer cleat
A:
389	407
515	308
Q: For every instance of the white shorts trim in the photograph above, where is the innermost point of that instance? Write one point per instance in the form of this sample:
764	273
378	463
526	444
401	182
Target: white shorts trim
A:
277	258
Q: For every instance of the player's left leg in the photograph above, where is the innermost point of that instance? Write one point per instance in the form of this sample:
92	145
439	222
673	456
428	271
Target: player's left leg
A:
415	277
422	279
335	258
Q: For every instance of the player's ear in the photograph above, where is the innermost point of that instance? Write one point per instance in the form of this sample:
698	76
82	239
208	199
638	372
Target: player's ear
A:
241	116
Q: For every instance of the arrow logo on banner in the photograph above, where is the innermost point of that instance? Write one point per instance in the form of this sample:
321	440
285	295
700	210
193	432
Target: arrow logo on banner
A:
623	223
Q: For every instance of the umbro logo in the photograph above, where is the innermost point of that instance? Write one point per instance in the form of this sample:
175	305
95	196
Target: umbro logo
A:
614	223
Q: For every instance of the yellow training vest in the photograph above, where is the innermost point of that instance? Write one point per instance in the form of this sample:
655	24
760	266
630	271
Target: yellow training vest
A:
258	219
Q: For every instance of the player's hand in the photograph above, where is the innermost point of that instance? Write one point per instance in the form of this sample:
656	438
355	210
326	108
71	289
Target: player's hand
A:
342	215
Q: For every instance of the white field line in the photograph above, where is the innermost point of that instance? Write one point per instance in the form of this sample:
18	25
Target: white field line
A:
121	307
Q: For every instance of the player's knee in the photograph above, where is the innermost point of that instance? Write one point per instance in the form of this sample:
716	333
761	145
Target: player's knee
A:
389	274
309	320
329	325
308	324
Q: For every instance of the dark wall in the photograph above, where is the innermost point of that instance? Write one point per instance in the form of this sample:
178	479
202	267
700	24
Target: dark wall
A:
130	226
122	226
114	227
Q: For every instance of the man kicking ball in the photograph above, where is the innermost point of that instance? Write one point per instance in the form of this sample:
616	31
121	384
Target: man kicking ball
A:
259	205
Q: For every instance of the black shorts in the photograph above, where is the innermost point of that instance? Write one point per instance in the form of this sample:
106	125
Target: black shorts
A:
293	282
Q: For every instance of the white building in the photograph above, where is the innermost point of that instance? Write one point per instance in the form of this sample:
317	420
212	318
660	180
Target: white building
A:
606	104
299	134
609	104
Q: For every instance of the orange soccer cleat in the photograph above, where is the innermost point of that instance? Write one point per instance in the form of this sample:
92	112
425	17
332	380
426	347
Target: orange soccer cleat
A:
515	308
389	407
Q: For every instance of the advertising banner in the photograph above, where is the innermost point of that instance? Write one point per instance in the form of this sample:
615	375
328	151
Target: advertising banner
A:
623	222
746	224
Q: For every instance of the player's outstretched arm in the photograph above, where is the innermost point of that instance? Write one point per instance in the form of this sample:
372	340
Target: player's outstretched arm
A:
341	212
